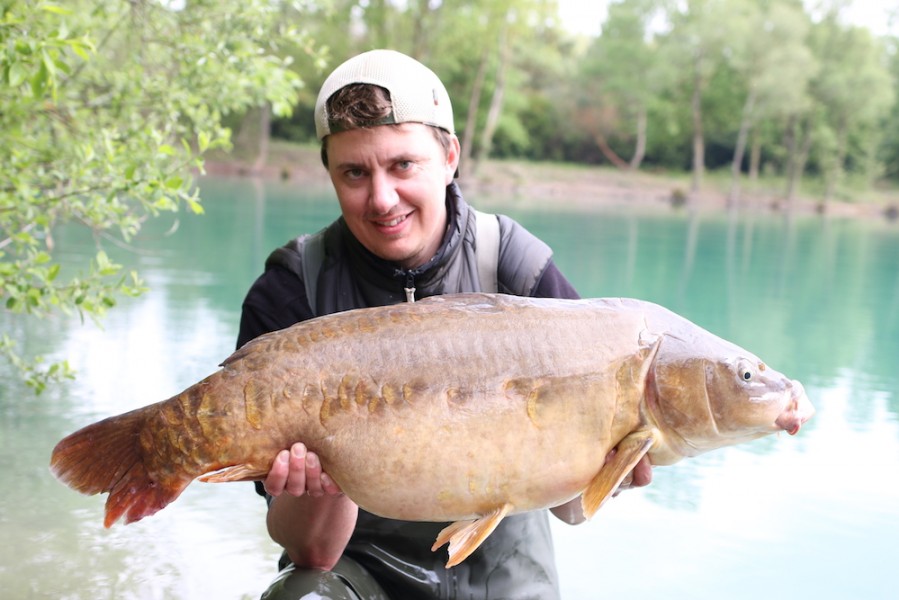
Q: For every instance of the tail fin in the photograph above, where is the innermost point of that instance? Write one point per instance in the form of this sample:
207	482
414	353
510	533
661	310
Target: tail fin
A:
107	457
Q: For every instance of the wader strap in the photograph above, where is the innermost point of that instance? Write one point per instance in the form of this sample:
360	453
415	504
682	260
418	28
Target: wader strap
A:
487	250
312	248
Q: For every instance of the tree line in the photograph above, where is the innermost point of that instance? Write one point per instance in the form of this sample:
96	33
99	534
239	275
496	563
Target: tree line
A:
759	88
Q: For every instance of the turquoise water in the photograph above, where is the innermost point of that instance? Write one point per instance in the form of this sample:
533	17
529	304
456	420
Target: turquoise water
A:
815	515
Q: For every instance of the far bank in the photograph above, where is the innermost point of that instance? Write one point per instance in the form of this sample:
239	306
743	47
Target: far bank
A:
567	185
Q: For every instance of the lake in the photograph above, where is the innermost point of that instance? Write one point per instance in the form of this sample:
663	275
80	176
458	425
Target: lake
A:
810	516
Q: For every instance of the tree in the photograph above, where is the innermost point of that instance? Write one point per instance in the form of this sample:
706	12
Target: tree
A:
621	75
853	90
703	36
106	108
776	66
488	46
889	150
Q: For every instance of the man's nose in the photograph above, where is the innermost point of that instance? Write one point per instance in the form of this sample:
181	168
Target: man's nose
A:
382	195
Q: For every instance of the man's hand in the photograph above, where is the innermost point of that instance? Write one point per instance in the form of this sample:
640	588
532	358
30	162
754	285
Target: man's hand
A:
309	515
640	475
572	513
297	472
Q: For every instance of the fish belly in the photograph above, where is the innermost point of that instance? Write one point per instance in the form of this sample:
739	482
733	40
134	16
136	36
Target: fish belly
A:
418	420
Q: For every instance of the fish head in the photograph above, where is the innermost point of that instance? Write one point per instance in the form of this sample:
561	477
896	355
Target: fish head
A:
748	399
721	395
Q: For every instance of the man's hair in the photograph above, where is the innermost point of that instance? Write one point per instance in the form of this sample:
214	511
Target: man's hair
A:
361	105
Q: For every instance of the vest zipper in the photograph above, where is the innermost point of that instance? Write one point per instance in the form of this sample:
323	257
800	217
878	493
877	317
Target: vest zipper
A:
410	287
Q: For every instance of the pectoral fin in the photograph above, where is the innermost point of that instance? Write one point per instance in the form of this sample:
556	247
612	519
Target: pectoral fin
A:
243	472
628	453
464	537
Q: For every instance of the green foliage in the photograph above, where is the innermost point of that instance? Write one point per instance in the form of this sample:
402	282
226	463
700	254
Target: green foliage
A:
106	109
889	143
853	93
762	69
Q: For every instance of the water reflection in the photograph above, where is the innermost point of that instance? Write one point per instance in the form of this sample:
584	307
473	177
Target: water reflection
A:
817	299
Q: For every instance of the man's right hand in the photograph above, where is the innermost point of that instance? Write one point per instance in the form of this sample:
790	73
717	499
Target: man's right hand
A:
297	471
309	515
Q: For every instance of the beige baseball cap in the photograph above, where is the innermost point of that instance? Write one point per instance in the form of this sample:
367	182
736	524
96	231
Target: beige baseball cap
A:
417	94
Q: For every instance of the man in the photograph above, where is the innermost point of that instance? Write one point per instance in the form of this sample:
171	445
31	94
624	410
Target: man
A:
386	126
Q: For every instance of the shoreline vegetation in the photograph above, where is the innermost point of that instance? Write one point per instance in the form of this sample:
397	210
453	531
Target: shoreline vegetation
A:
579	187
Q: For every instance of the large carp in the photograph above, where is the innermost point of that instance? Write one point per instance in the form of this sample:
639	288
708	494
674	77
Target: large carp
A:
456	408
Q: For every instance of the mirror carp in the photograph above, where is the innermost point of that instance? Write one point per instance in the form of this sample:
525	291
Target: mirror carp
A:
460	408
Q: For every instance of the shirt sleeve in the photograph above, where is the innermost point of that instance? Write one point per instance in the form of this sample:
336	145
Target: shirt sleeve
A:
552	284
277	299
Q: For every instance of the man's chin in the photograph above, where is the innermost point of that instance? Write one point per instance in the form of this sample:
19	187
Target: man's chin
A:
395	253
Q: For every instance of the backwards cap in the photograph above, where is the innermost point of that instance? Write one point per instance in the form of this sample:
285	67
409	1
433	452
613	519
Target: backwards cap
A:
416	92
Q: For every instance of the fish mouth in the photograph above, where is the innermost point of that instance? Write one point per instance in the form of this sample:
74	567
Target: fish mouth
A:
799	410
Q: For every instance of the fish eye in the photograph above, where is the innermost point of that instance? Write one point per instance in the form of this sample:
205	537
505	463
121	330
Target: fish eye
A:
745	370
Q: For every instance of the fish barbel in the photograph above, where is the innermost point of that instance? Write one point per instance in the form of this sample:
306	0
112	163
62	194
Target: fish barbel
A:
435	410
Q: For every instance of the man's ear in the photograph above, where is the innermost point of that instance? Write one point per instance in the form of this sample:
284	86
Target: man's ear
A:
453	154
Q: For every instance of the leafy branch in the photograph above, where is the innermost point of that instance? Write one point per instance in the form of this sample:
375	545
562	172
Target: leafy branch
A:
107	134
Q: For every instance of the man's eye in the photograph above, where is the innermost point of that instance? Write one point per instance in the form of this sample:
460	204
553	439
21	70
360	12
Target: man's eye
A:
404	165
355	174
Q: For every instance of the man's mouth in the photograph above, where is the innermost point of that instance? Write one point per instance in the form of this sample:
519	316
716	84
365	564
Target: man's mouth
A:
393	222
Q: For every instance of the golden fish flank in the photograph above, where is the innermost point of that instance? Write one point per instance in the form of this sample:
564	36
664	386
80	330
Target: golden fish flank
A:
446	393
332	397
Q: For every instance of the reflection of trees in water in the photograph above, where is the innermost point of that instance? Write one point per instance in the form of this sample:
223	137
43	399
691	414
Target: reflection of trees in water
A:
55	543
258	250
843	284
890	334
679	486
50	543
690	247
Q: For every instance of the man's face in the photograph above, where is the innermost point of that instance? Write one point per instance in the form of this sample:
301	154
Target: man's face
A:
391	184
